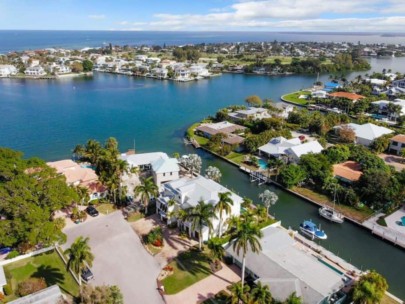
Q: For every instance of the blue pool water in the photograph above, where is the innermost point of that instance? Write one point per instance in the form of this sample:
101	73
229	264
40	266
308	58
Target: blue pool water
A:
262	164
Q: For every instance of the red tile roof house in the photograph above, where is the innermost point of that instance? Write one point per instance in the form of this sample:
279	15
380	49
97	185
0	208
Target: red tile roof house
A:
348	171
353	97
210	129
77	175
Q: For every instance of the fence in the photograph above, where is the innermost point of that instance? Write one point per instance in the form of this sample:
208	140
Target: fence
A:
24	256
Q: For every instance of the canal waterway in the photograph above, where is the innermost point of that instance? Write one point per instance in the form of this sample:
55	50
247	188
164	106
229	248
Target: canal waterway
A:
48	118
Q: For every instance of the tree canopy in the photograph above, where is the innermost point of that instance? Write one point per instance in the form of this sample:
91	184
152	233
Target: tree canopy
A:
30	192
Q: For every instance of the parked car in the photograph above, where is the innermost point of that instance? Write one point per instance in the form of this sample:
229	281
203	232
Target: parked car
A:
92	211
87	275
5	250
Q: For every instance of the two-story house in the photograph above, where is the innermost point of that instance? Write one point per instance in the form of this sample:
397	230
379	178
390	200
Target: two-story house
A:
397	144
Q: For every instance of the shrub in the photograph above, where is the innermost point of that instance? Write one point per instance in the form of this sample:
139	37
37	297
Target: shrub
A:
30	286
12	254
8	290
155	237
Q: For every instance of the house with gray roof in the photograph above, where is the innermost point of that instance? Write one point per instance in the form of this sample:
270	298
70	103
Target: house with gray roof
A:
366	133
286	267
165	170
277	146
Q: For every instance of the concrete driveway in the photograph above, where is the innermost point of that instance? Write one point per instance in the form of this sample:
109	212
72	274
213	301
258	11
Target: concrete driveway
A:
120	258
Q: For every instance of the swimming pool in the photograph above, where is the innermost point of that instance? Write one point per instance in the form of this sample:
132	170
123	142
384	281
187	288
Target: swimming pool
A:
262	164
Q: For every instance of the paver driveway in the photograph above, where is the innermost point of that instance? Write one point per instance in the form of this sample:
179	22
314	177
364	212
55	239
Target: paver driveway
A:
120	258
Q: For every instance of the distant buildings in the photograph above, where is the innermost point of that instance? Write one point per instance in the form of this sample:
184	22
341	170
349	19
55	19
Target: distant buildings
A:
7	70
35	71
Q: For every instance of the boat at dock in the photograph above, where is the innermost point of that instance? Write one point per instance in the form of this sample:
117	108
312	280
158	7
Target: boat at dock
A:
331	215
308	228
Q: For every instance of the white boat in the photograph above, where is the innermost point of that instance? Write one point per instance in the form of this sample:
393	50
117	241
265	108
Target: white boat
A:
331	214
309	229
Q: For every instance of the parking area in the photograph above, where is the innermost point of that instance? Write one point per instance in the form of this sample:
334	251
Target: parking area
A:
120	258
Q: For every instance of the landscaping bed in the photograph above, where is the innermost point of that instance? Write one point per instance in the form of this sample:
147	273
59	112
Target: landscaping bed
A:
188	268
105	208
48	266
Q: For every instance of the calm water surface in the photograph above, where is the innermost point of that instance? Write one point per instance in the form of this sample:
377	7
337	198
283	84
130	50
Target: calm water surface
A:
48	118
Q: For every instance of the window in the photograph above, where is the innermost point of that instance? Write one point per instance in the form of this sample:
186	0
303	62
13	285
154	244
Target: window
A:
394	143
403	146
164	174
171	173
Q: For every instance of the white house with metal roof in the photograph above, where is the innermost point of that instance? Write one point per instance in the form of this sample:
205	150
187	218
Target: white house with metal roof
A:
277	146
165	170
286	267
143	160
294	153
186	193
366	133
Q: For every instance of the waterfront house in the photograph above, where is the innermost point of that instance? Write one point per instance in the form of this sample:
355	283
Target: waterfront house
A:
330	86
284	109
383	107
209	129
182	74
295	152
199	70
400	83
35	71
160	73
286	267
346	95
392	92
319	94
165	170
7	70
276	147
144	160
376	82
249	113
80	175
186	193
366	133
397	144
347	172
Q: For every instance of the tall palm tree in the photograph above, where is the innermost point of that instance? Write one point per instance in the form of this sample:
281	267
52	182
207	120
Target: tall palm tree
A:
246	236
93	151
200	216
224	205
268	198
79	152
147	189
83	194
79	256
217	251
261	294
247	202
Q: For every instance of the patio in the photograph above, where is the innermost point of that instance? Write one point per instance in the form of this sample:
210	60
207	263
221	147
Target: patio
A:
173	242
394	221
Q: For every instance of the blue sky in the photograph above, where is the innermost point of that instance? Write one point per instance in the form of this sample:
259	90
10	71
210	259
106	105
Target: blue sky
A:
202	15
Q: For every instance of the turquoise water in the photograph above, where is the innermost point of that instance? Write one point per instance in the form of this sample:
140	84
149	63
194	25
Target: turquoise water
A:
262	164
48	118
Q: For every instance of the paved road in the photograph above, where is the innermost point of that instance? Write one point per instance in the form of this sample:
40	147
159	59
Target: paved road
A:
120	258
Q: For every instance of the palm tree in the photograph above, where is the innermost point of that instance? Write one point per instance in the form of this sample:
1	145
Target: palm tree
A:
93	151
79	152
276	164
83	194
147	189
247	202
370	288
261	294
79	256
293	299
216	249
239	293
246	236
200	216
224	205
268	198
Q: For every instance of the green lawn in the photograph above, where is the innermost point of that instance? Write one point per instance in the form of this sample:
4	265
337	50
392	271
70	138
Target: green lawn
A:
48	266
236	157
294	97
190	130
189	268
106	208
201	140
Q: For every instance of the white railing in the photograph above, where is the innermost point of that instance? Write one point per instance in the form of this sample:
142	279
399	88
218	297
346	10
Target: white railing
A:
24	256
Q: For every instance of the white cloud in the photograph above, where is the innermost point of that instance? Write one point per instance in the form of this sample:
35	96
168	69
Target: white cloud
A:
97	17
314	15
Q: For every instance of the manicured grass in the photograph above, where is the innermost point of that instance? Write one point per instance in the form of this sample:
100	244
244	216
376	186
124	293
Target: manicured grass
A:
190	130
189	268
267	222
294	97
348	211
236	157
48	266
135	216
106	208
201	140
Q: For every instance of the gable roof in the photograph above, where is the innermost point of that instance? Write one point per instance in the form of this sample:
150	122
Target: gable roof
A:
309	147
368	131
142	159
162	165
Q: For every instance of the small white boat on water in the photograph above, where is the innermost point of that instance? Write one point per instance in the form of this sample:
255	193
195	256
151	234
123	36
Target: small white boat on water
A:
309	229
331	214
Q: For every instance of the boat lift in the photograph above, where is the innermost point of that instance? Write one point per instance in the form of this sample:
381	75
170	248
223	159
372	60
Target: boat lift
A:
258	177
